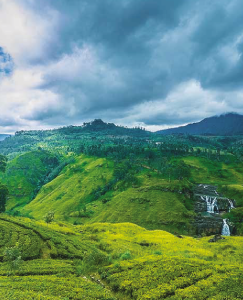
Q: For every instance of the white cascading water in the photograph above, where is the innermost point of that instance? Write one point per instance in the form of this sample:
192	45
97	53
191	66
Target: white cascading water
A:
225	229
231	204
212	205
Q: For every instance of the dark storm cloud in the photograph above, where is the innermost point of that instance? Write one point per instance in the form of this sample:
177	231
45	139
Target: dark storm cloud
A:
143	61
219	28
123	36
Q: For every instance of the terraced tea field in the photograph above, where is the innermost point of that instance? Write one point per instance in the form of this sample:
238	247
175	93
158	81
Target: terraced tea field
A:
116	261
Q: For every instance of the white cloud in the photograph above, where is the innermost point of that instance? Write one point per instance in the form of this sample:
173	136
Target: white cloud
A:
73	64
188	102
25	35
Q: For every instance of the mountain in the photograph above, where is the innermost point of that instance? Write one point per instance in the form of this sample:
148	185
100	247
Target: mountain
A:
227	124
70	138
96	126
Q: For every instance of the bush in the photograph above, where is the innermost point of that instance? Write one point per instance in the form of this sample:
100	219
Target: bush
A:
126	255
12	256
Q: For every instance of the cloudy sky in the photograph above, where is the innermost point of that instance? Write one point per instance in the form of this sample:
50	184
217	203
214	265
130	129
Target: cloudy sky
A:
154	63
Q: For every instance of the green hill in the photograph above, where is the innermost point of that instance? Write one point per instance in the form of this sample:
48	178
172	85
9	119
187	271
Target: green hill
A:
25	174
87	191
70	138
72	189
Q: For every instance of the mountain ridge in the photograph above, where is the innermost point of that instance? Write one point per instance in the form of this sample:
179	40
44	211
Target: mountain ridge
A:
225	124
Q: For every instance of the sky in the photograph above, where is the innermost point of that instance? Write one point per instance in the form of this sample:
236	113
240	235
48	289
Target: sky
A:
149	63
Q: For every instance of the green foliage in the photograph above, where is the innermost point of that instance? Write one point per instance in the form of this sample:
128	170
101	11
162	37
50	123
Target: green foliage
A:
25	175
78	184
52	288
3	197
49	217
159	277
12	256
126	255
3	189
3	163
133	262
38	239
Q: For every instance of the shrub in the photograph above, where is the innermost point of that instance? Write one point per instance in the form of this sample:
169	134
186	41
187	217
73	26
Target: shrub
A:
12	256
126	255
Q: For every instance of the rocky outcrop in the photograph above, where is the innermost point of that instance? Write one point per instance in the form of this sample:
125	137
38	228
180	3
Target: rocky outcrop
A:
216	238
208	225
206	195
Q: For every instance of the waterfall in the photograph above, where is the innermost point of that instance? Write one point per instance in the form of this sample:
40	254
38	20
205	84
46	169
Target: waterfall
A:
231	204
225	229
212	204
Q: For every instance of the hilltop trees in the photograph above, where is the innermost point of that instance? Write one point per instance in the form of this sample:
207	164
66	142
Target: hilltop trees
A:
3	188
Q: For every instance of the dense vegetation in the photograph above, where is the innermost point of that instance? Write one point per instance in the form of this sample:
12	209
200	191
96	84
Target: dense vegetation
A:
123	261
67	193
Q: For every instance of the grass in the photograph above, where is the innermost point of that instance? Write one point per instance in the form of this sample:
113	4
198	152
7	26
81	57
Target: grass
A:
71	190
146	207
153	202
214	172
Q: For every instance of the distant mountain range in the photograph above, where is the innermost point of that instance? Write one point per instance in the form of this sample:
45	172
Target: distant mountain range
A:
226	124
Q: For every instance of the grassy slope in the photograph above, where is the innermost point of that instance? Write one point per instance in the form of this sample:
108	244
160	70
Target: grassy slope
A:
69	191
214	172
153	203
23	175
134	263
147	205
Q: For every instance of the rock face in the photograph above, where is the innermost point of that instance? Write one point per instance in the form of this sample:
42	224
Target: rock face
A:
209	206
208	225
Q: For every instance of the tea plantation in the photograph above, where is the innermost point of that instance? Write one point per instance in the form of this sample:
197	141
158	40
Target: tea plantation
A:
116	261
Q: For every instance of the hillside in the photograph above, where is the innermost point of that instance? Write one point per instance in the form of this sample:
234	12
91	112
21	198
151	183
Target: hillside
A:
228	124
3	136
80	194
69	138
26	174
116	262
92	189
125	224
